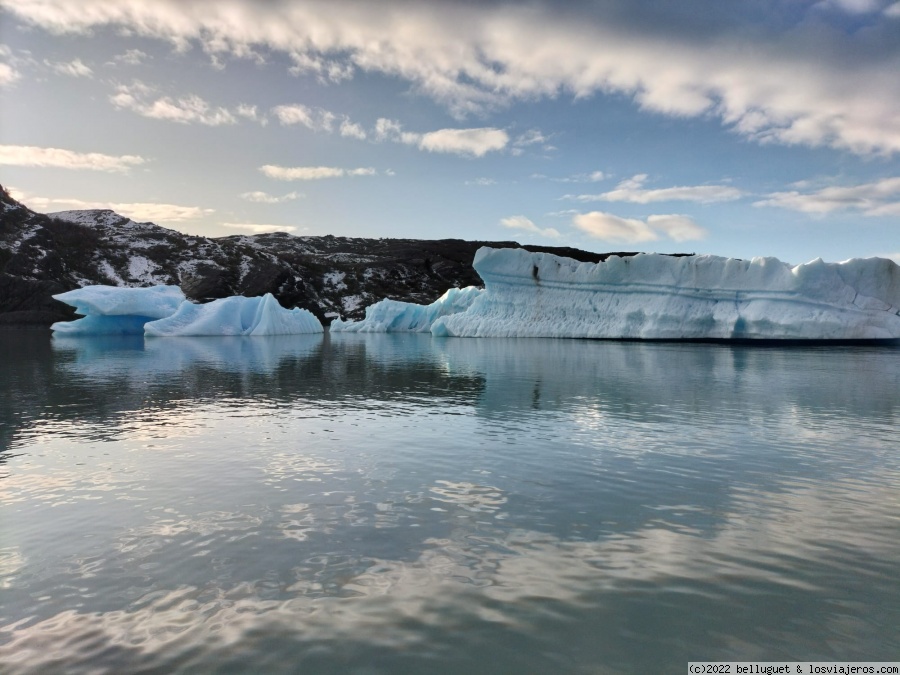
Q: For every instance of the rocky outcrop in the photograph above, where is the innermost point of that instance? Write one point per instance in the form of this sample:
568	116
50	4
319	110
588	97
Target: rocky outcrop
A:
41	255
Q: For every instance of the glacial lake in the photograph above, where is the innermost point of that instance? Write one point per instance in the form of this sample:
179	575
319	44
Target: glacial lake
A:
401	504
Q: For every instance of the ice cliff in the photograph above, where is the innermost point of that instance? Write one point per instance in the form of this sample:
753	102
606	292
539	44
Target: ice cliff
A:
391	316
163	311
651	296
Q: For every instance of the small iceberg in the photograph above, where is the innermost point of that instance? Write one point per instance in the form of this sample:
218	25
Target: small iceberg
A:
236	315
111	310
164	311
393	316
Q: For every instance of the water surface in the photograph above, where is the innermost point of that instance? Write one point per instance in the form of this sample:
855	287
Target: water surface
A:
403	504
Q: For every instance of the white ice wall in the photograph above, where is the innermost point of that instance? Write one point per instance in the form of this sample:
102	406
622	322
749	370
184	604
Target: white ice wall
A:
651	296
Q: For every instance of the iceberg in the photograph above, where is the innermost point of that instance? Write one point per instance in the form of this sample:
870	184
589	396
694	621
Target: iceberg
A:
163	311
236	315
111	310
393	316
654	296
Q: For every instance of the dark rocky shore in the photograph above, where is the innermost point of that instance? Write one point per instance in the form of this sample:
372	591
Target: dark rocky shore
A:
41	255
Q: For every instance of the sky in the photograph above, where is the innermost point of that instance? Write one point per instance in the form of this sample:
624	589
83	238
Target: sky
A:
759	128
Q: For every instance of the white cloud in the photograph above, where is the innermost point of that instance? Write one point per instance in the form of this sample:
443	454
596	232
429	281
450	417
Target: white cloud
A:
326	70
523	223
562	214
632	190
251	113
139	211
880	198
466	142
159	213
260	228
787	82
29	155
893	11
849	6
266	198
891	209
613	228
592	177
74	68
132	57
472	142
140	98
676	227
609	227
483	182
8	75
315	119
530	137
391	130
312	172
352	129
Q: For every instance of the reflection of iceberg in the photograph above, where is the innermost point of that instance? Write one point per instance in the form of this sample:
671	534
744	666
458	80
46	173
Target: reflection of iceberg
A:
234	353
235	316
650	296
111	310
133	358
630	380
392	316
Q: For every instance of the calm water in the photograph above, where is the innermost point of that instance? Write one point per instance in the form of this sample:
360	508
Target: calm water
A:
402	504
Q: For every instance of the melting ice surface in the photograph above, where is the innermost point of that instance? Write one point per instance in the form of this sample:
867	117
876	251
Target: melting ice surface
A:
236	315
652	296
163	311
393	316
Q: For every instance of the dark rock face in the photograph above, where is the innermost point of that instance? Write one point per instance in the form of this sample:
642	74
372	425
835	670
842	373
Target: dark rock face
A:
41	255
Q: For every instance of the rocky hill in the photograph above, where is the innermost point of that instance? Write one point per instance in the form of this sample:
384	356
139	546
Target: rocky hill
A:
331	276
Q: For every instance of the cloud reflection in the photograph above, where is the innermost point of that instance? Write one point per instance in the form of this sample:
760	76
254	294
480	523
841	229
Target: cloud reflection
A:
500	581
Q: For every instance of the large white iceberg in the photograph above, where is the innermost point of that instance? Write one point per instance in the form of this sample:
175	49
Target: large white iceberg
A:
394	316
651	296
112	310
236	315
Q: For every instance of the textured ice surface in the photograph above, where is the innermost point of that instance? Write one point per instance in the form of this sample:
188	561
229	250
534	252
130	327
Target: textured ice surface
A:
393	316
156	301
651	296
236	315
112	310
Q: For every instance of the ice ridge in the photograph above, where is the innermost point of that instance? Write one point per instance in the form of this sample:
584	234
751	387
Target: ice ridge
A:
236	315
393	316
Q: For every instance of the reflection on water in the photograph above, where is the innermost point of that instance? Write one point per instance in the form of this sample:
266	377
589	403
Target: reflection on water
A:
391	503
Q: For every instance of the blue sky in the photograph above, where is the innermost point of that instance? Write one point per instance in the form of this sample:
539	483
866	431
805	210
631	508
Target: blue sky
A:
759	128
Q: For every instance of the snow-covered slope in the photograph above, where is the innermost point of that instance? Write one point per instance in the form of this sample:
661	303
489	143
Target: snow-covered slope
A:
651	296
393	316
